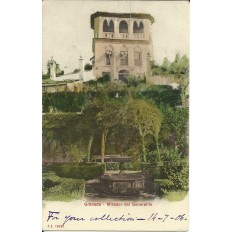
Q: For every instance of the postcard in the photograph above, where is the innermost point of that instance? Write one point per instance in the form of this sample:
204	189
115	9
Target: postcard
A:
115	108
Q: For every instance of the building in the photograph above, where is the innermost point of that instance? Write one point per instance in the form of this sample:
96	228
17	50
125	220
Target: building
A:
122	45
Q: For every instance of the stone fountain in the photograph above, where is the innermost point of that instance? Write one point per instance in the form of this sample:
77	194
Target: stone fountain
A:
122	184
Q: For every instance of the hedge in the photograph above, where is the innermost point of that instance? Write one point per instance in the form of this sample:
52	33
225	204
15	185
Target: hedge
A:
62	189
80	171
131	166
112	166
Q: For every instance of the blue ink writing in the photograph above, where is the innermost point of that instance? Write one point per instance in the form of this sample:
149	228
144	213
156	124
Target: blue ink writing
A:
51	215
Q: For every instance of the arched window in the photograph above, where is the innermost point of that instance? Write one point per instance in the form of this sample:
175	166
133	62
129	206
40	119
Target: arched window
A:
138	28
123	56
123	27
108	26
108	54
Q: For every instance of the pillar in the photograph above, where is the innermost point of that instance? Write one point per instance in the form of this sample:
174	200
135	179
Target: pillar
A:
81	67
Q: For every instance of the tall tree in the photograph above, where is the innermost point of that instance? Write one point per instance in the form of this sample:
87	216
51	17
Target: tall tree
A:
147	119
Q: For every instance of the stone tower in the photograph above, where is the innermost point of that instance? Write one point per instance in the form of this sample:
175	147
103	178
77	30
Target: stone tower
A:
121	44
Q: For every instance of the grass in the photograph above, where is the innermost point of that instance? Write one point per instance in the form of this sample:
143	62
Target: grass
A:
175	196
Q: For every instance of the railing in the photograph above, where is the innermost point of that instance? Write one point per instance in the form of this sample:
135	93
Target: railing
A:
123	35
134	36
138	36
109	35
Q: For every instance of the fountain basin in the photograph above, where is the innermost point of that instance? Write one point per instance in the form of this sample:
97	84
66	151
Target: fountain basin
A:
122	184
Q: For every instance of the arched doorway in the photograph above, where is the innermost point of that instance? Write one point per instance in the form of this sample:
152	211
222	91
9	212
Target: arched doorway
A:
123	75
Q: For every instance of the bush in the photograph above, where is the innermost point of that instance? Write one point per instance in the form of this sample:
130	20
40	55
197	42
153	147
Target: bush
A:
104	79
176	169
155	170
61	189
173	167
68	189
112	166
50	179
165	185
80	171
63	101
131	166
76	70
45	76
162	95
88	67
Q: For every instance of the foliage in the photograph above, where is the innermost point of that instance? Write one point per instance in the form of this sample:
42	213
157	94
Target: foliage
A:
176	169
88	67
79	171
155	170
135	81
131	166
63	101
77	153
45	76
59	72
112	166
180	66
62	189
76	70
146	118
161	95
104	79
176	121
165	185
50	179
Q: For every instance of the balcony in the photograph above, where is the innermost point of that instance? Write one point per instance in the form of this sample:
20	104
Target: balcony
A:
138	36
109	35
123	35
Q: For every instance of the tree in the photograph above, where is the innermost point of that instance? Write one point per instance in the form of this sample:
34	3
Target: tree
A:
147	119
102	113
88	67
176	120
165	65
180	67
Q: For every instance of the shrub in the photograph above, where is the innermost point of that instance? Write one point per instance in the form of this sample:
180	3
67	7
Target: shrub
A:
104	79
61	189
45	76
155	170
63	101
68	189
88	67
165	185
176	169
131	166
76	70
112	166
80	171
50	179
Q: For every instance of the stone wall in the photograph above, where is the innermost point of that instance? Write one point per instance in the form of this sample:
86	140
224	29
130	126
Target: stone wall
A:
161	80
62	87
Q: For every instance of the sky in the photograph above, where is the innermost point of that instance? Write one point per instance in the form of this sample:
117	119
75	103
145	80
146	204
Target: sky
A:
67	33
